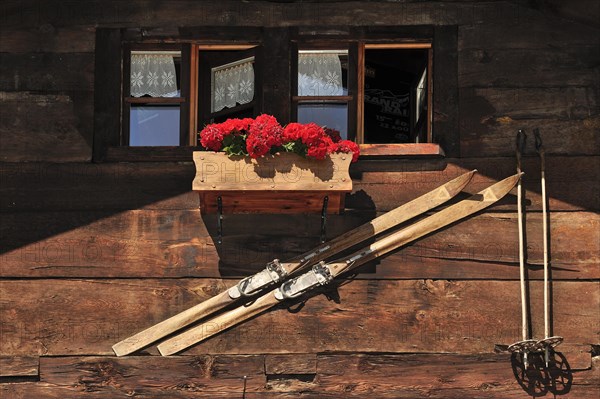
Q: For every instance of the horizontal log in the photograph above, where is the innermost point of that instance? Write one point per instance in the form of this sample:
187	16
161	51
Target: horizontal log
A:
71	317
180	375
444	376
13	366
572	183
542	32
232	13
426	375
47	39
339	375
48	72
88	186
45	127
567	118
576	103
103	244
149	243
291	364
519	68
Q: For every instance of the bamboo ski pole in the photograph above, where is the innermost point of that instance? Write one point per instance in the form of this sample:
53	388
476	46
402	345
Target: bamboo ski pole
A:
525	345
276	272
323	273
548	341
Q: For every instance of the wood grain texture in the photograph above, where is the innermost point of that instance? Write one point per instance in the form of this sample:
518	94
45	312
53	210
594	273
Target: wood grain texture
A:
389	316
338	376
216	172
47	72
19	366
573	183
182	243
46	127
47	39
566	116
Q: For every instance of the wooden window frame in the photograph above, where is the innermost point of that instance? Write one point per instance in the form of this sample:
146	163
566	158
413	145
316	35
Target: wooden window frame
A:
185	87
279	42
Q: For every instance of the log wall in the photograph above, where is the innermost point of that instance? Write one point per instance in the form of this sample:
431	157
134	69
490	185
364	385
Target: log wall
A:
92	253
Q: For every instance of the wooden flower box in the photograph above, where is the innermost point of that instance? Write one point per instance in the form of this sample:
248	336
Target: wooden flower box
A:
283	183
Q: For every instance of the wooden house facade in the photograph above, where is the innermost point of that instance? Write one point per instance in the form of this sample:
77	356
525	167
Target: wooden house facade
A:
102	237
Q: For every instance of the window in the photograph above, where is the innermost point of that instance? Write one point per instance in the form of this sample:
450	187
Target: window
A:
228	83
396	94
393	96
373	84
322	89
155	102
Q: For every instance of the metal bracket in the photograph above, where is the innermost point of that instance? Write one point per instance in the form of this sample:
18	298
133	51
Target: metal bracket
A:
324	218
318	275
272	274
219	220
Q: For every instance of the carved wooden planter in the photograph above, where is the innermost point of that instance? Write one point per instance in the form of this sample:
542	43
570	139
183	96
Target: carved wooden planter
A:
283	183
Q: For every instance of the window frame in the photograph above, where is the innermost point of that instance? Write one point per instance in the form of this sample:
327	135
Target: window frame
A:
280	42
184	96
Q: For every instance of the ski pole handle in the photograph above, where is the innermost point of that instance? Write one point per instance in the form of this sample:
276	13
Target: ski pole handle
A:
520	147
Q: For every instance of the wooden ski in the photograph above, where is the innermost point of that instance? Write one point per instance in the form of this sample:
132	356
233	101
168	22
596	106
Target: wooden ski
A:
323	273
276	271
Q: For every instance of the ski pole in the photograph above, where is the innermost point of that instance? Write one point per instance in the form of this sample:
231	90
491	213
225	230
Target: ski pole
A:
278	271
526	344
322	273
548	342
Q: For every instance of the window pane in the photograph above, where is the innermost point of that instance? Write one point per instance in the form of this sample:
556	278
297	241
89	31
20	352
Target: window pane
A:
154	125
155	73
323	73
333	115
392	80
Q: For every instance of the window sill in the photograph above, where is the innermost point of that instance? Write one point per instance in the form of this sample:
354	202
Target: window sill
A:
412	150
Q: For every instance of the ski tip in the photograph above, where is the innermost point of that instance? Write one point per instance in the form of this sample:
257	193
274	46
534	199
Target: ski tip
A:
455	186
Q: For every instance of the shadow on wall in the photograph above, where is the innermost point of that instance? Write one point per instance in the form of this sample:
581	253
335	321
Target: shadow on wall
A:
539	380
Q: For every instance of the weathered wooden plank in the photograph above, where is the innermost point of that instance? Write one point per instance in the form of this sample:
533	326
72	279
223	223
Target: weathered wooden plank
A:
339	375
233	13
175	243
99	187
573	183
567	119
577	103
45	127
49	72
444	376
291	364
196	374
539	33
134	243
519	68
18	366
47	39
69	317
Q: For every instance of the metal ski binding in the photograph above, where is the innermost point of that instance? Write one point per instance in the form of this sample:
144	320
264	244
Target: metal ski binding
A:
272	274
318	275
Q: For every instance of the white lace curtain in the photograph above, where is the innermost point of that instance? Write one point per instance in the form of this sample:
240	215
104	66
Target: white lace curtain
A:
319	75
233	85
153	75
